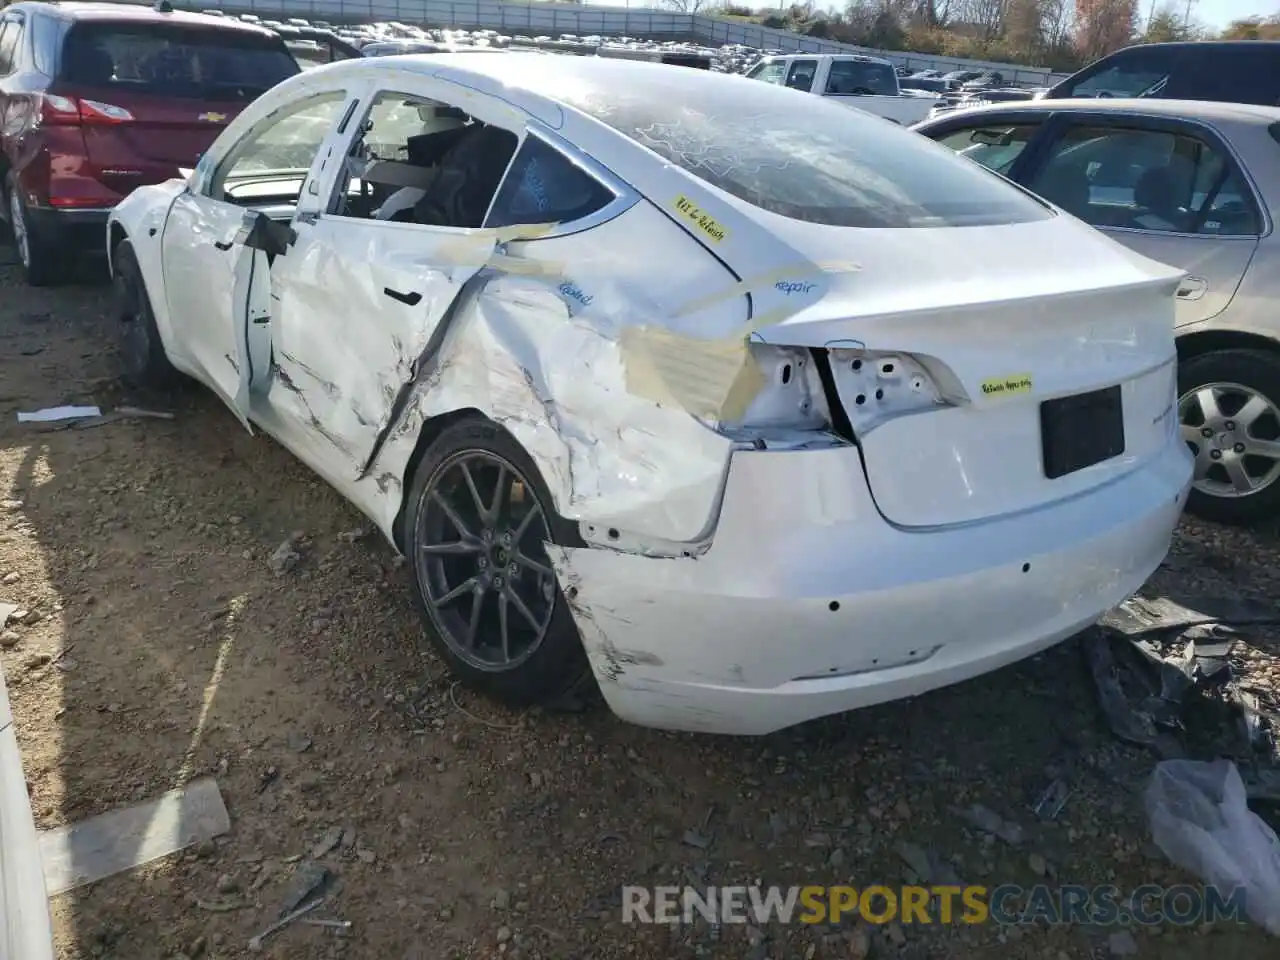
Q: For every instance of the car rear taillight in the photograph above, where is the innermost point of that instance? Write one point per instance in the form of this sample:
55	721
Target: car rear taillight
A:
74	111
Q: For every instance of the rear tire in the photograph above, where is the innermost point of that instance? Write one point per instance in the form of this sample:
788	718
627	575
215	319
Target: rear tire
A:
491	604
138	339
1234	383
40	265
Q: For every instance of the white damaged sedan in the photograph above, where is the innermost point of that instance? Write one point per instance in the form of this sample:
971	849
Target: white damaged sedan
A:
753	406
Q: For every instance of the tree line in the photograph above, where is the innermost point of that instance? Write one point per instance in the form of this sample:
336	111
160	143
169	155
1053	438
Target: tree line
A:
1063	35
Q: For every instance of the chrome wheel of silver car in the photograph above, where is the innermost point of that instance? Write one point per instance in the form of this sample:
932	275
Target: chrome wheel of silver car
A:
18	224
481	562
1234	432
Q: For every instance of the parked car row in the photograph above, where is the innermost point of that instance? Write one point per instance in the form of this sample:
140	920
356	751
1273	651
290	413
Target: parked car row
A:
99	99
386	38
868	83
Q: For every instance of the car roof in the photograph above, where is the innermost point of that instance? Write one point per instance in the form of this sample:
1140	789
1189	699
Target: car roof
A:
522	69
865	58
1198	45
1210	110
134	13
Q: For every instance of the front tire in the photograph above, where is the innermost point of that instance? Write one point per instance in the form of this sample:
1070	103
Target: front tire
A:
40	264
476	519
137	336
1229	411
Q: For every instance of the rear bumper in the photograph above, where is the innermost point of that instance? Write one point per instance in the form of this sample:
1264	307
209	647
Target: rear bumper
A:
78	229
809	603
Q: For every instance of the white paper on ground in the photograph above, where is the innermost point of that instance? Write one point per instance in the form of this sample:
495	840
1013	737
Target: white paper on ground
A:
122	839
50	414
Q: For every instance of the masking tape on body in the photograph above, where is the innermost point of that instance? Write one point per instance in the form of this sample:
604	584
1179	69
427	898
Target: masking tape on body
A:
715	379
1007	386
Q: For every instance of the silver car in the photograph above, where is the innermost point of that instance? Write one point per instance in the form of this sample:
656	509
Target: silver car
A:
1195	185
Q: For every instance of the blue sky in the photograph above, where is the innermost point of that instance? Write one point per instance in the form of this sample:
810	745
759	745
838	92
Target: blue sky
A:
1218	13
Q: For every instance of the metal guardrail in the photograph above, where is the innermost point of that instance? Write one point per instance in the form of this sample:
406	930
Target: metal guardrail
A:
551	19
533	19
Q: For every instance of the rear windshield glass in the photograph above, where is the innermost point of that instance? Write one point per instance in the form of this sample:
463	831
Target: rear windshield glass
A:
174	61
860	77
794	154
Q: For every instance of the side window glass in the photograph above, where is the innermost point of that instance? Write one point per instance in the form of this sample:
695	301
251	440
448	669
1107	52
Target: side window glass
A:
1227	75
44	44
416	160
770	71
800	76
9	31
856	77
996	147
1146	180
1225	203
545	186
1141	73
270	163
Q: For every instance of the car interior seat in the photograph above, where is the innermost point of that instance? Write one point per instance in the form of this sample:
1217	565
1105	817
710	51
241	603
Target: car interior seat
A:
1156	195
1068	188
424	152
470	172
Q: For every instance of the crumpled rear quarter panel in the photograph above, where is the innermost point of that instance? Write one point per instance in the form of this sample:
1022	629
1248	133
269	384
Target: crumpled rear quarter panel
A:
540	352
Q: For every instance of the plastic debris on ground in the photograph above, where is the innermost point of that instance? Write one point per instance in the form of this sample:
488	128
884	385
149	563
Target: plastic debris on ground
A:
1167	680
1200	819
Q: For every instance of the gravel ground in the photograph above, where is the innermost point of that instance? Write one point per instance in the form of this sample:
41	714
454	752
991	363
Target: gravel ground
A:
468	830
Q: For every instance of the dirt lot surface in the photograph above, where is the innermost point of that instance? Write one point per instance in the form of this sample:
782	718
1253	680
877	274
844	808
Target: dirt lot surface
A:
469	830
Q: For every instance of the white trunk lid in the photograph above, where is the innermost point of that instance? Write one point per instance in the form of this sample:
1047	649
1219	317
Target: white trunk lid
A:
1033	312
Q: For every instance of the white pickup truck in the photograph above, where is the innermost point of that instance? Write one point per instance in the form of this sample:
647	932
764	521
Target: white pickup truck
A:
867	83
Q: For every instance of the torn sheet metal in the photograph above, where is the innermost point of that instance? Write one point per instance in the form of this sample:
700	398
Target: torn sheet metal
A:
251	304
613	388
398	288
558	386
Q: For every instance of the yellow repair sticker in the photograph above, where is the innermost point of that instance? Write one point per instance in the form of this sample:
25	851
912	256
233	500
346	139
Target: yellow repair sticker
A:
1007	386
716	232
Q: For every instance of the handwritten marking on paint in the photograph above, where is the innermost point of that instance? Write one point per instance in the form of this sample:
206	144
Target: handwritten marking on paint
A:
716	232
572	291
1007	386
788	287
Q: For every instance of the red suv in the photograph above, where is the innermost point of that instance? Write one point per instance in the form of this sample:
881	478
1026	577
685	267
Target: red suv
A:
99	98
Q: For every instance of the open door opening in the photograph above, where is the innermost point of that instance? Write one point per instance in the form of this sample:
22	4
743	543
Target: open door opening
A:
259	241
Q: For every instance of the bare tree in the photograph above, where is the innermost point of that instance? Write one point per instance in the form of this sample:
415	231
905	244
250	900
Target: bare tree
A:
1104	25
686	6
1023	26
1057	17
